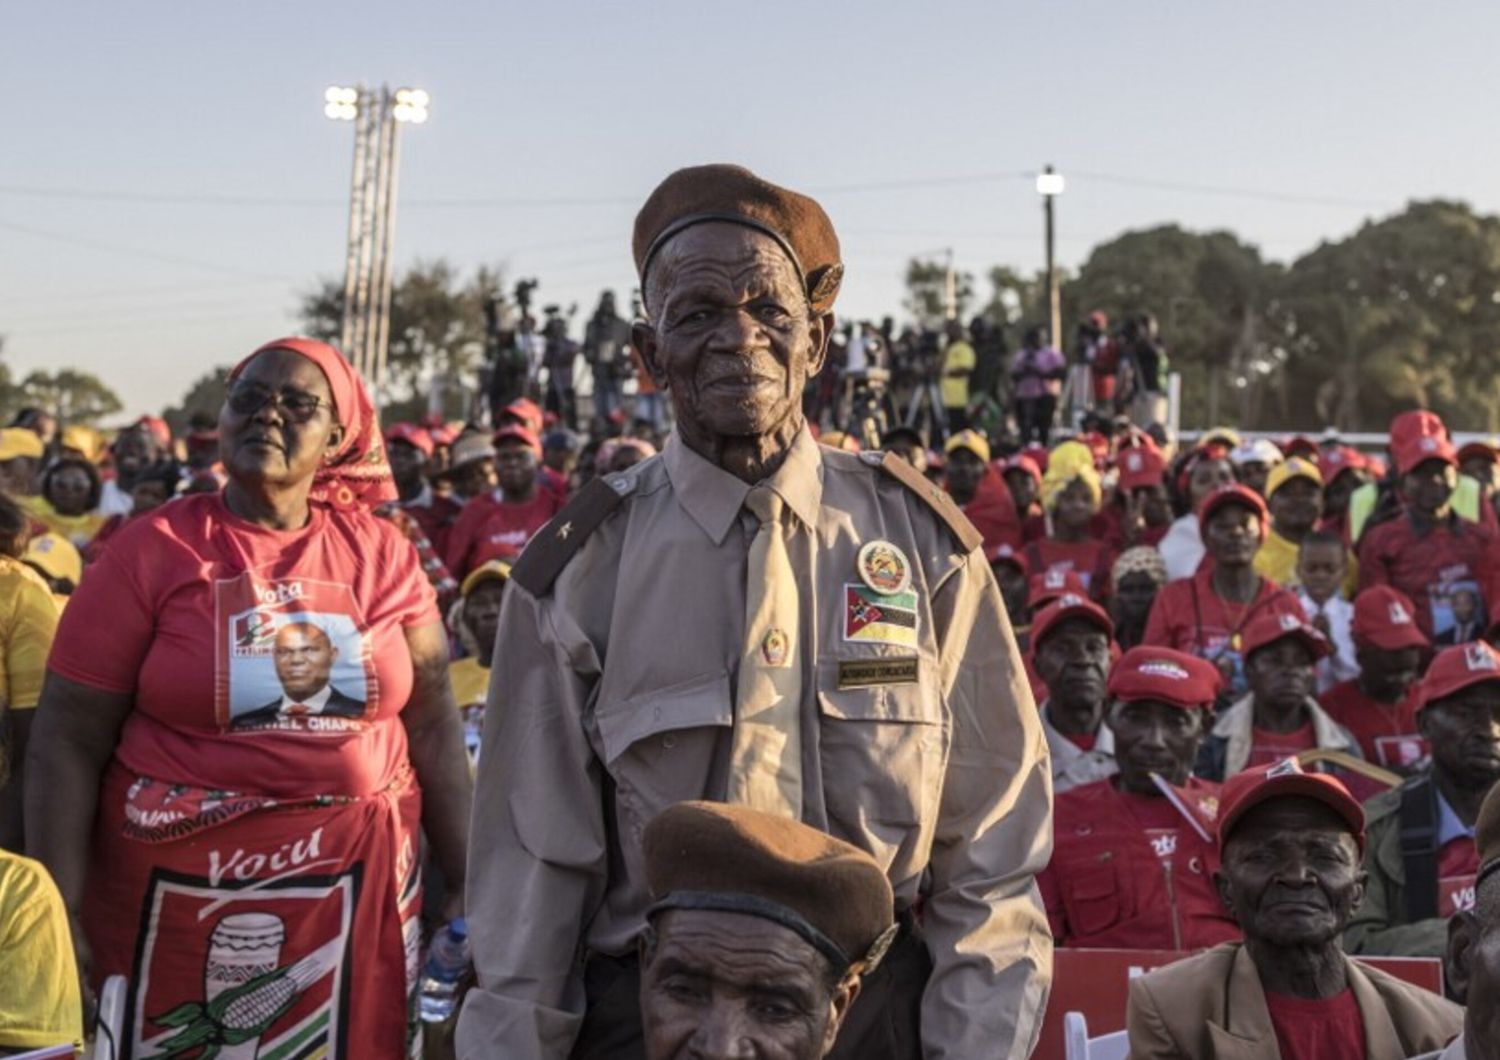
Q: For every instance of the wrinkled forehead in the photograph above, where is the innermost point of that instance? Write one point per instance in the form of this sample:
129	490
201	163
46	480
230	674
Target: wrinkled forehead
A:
1292	819
723	259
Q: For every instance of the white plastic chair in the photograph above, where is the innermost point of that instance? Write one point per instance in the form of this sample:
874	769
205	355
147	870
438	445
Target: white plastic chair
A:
1078	1045
111	1023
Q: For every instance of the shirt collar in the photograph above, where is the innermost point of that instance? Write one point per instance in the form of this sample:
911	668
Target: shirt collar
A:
713	498
314	703
1449	826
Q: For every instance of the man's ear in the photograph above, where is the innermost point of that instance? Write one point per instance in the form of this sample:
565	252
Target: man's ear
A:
838	1007
643	339
821	329
1462	930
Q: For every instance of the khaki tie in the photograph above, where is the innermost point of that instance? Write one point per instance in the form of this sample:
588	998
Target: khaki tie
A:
766	765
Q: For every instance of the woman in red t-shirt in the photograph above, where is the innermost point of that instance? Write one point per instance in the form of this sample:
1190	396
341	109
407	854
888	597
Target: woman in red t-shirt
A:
247	719
1072	493
1206	613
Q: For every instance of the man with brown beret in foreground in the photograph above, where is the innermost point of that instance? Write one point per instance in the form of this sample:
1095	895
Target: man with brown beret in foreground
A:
760	932
754	619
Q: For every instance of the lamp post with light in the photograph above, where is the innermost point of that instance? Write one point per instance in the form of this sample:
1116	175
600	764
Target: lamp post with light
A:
378	115
1049	185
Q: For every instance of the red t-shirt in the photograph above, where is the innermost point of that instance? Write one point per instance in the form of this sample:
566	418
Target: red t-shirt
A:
189	610
491	528
1387	733
1267	747
1189	616
1447	572
1084	741
1318	1029
436	520
1090	560
1458	865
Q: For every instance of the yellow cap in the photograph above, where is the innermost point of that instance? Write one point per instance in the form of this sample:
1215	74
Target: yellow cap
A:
493	570
17	442
85	440
55	556
1290	468
971	440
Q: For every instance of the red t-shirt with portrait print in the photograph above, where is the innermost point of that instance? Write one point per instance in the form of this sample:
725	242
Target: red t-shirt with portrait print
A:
185	612
1448	572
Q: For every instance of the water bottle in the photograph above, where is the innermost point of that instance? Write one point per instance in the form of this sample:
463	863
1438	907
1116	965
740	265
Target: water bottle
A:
447	960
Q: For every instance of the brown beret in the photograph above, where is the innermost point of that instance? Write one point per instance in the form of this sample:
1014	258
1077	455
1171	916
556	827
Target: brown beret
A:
1487	835
721	192
707	855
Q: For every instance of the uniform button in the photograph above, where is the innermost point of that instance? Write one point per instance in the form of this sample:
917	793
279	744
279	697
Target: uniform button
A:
668	742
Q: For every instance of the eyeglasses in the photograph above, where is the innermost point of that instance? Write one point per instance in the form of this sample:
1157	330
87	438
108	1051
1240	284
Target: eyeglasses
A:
246	399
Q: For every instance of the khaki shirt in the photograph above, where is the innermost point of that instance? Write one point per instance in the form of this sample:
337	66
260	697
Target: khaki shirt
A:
618	688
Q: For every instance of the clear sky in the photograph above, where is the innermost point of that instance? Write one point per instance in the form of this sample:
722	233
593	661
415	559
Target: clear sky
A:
168	183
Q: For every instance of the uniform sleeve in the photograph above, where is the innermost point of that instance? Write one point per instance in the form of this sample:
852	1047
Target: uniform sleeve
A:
984	920
108	625
545	855
1149	1037
27	642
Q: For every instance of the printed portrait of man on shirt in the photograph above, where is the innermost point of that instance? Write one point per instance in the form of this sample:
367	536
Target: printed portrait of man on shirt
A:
295	669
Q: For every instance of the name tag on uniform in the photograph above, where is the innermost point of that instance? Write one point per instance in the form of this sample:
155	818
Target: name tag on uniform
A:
872	673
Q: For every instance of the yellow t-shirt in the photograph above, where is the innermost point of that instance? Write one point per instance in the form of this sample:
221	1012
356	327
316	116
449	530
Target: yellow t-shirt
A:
28	622
959	356
39	1000
78	529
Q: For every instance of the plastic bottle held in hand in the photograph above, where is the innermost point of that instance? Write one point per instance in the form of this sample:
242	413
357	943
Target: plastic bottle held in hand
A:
447	960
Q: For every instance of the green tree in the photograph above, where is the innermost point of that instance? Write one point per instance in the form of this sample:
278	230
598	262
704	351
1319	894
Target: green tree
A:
1214	298
1404	313
927	291
437	329
70	395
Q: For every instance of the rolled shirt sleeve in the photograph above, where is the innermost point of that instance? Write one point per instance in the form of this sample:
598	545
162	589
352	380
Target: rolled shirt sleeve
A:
984	920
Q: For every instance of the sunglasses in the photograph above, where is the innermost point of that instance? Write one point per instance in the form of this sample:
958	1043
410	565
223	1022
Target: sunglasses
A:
246	399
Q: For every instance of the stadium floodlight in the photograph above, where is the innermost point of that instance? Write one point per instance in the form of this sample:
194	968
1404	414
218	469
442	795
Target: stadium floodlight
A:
410	106
340	103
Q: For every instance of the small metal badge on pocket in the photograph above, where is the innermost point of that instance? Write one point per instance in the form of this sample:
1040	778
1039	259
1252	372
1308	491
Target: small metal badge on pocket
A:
872	673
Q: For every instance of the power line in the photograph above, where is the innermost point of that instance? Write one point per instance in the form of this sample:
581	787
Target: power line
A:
137	252
1239	193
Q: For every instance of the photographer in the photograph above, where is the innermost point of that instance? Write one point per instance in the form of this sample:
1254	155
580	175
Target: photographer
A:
1038	371
605	339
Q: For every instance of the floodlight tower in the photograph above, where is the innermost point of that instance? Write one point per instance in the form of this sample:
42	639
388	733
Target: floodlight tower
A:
378	115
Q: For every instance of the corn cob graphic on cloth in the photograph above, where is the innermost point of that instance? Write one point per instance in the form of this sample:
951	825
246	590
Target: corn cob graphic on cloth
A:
241	1014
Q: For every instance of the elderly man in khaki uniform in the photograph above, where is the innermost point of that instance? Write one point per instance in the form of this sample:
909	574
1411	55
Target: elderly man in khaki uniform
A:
751	618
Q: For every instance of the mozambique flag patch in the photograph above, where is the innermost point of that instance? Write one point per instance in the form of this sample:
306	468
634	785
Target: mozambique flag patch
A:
880	618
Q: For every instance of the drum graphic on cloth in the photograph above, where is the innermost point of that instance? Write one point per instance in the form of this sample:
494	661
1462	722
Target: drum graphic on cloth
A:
242	947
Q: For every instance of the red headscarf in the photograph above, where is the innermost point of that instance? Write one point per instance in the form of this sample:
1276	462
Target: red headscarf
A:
357	476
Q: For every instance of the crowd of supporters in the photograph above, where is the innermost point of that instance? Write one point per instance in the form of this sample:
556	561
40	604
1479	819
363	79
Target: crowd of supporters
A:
1189	610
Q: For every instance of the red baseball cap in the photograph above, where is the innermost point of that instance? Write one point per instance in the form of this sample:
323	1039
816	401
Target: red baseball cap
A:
1418	423
1335	461
1066	606
525	411
412	435
1300	445
1383	618
1455	669
1039	454
1048	585
1141	466
1021	462
1266	629
1480	447
1166	676
516	432
1414	452
444	434
1251	787
1234	493
1004	553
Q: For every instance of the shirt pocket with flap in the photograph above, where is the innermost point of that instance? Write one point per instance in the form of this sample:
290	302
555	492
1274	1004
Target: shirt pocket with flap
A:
882	749
659	746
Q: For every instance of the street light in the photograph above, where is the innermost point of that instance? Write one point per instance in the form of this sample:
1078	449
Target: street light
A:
1049	185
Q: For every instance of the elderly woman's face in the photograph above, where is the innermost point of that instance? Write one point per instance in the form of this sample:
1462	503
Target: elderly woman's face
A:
278	422
733	337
